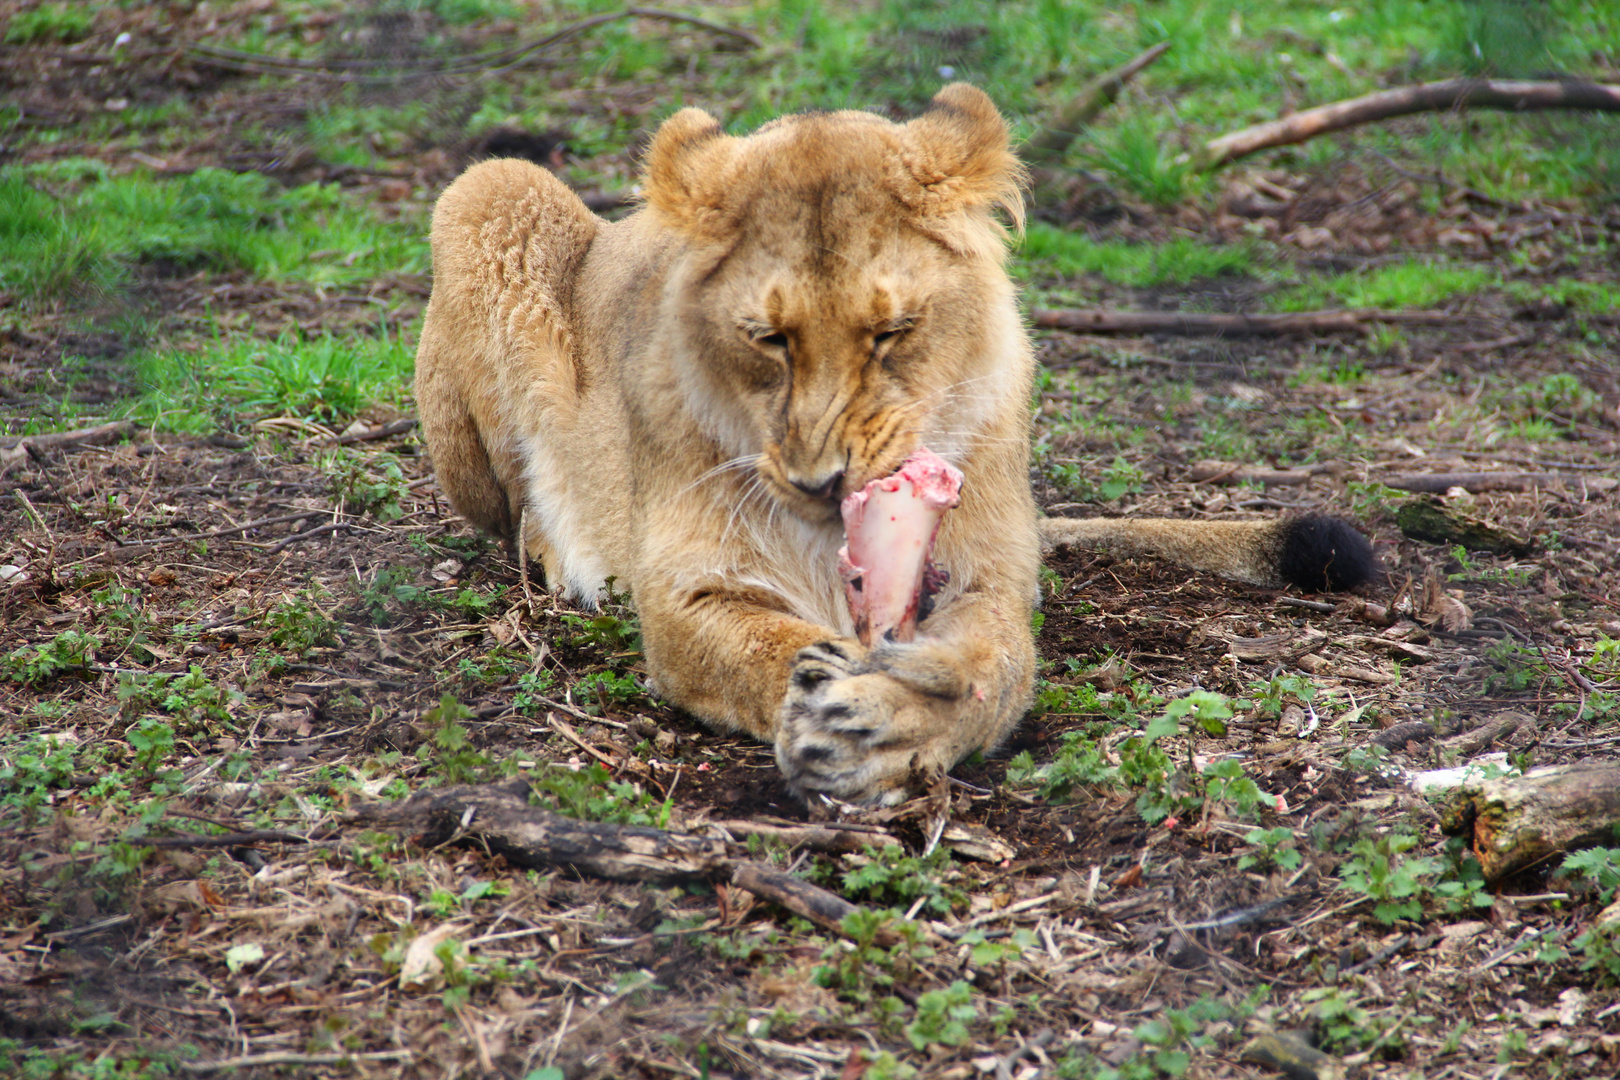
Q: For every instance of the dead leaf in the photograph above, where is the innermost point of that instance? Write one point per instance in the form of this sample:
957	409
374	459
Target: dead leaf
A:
422	966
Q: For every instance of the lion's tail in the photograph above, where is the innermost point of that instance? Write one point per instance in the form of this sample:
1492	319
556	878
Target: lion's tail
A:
1312	552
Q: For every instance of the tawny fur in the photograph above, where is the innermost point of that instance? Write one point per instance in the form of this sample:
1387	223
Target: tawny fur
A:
1239	550
666	400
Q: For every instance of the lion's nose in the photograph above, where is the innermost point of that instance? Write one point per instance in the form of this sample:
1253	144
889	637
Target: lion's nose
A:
821	487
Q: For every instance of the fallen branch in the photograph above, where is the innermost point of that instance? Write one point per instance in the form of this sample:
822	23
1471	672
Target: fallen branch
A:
1440	483
279	1057
821	907
101	433
398	427
498	817
1519	822
1086	106
1221	472
1427	97
1197	323
233	839
841	839
1433	522
232	531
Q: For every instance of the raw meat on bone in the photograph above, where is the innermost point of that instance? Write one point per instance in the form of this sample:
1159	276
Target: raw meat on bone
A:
889	530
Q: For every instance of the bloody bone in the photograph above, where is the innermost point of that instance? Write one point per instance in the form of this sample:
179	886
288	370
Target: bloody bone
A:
889	530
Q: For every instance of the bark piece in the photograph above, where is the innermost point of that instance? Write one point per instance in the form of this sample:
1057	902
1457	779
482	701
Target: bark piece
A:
1498	728
1519	822
1432	521
1441	96
889	530
1291	1054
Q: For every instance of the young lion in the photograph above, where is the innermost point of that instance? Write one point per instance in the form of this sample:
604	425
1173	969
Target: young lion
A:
680	400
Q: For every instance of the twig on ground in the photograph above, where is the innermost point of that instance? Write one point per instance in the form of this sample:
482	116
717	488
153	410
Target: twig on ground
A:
248	526
254	1061
309	534
235	839
1197	323
398	427
1440	483
1447	95
78	437
1216	472
574	737
1086	106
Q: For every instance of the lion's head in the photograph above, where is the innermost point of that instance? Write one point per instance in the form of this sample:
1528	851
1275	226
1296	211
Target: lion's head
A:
840	298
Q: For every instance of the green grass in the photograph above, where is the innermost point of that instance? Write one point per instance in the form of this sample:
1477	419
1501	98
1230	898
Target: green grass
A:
105	228
321	378
1413	283
1052	252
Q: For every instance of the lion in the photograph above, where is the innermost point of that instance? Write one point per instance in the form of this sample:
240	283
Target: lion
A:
678	401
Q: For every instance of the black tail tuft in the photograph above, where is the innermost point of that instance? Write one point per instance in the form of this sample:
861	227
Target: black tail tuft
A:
1320	553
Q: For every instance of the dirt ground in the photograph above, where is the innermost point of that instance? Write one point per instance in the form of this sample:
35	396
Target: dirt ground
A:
629	980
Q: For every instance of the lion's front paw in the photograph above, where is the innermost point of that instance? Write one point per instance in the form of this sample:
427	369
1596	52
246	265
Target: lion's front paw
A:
852	731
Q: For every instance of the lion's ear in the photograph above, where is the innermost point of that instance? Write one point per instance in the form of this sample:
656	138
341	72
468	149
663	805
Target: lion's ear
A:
960	157
683	176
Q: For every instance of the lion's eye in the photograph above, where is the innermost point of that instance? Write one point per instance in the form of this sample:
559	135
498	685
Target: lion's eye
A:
882	338
774	341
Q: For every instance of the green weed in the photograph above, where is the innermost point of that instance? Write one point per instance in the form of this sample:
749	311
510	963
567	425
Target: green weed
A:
321	378
370	484
391	588
449	748
943	1017
857	966
49	22
591	794
533	688
32	769
68	653
299	625
888	877
1275	848
191	697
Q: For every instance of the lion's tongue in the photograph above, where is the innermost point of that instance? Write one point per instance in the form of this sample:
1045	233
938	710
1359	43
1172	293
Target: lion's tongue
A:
889	529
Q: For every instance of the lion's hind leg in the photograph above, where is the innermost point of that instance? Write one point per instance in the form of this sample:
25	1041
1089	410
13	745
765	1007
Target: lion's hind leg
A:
495	370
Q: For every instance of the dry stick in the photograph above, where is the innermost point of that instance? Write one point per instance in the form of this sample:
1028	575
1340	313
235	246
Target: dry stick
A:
198	840
282	1058
1193	323
309	534
1427	97
1101	92
1440	483
398	427
1222	473
78	436
233	530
